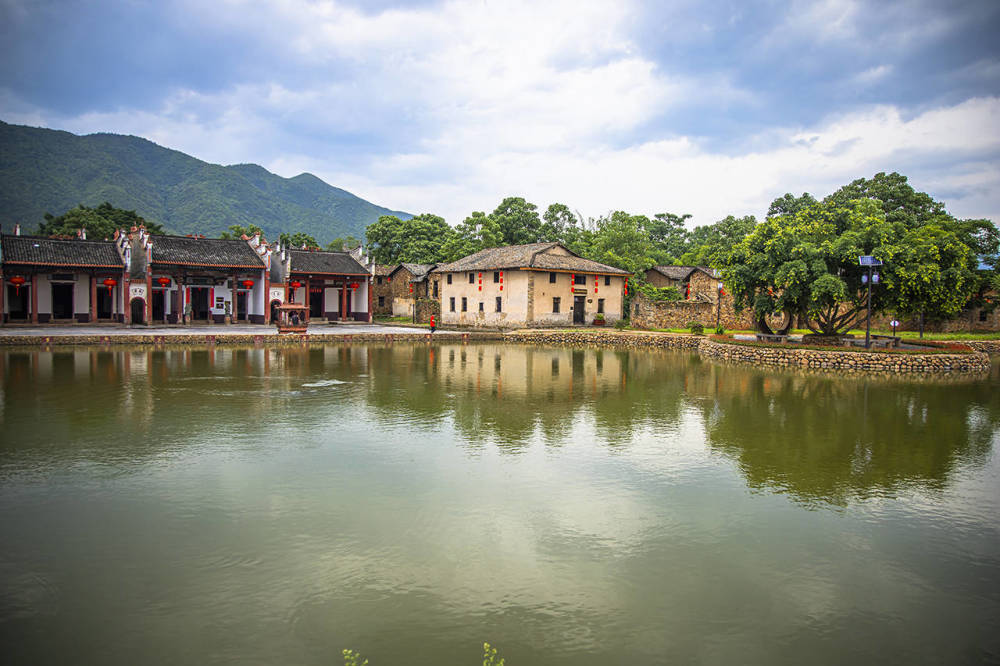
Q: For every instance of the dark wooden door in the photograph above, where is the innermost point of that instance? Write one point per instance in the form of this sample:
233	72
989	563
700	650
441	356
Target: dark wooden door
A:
579	303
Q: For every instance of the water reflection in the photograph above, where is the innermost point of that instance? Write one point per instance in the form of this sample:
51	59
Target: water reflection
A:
819	438
573	506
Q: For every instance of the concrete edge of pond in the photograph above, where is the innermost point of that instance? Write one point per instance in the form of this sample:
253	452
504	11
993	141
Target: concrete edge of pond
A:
977	362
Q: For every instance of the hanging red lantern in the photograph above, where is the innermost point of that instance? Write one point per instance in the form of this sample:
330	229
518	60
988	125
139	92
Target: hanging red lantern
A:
411	287
572	281
295	285
354	285
687	290
17	281
110	283
164	281
247	284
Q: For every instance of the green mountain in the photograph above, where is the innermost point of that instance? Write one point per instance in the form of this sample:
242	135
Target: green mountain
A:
49	171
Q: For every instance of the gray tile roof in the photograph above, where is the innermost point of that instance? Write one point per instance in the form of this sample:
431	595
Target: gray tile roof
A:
385	269
329	263
419	271
38	251
533	255
673	272
683	272
214	252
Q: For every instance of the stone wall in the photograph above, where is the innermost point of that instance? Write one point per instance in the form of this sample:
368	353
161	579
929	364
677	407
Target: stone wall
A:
968	321
647	313
424	308
849	361
625	339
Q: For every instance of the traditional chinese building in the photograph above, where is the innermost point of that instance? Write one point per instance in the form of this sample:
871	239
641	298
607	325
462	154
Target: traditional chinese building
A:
329	285
540	284
177	279
51	280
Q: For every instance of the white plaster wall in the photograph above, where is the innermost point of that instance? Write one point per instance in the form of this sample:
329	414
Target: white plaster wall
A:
44	295
227	295
81	294
331	299
360	299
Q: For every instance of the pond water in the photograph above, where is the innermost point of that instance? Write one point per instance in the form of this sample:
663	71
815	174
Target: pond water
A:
275	506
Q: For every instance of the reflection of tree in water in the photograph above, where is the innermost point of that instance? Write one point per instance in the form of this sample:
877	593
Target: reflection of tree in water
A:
509	394
831	439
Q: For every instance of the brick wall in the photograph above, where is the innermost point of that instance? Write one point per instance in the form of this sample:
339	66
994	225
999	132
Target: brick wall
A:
678	314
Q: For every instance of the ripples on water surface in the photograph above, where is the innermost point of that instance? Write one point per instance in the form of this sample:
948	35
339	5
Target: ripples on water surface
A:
570	506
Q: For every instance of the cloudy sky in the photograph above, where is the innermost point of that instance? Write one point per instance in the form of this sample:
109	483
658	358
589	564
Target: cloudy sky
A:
709	108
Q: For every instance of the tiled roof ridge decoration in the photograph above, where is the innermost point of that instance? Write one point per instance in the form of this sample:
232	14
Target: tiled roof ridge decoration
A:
530	255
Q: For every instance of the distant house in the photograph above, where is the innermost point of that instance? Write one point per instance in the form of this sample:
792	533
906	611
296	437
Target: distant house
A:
539	284
382	288
49	280
410	282
693	282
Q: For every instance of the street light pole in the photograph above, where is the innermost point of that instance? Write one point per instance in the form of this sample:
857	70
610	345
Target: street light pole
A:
868	322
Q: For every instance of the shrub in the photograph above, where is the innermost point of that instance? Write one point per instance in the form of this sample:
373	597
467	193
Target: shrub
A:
696	328
599	316
719	330
621	324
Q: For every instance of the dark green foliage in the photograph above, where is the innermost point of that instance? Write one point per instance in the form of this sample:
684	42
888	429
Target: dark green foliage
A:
696	328
100	222
46	170
298	240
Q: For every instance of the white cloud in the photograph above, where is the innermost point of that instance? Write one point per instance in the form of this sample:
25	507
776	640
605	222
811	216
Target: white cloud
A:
466	103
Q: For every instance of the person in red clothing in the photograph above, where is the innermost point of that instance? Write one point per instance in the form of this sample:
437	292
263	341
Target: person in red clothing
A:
432	323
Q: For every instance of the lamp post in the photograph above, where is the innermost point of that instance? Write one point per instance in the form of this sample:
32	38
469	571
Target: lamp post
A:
718	307
871	263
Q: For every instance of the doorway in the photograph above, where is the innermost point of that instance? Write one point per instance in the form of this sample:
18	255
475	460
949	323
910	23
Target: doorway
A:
199	303
579	303
62	301
17	302
138	308
241	306
315	303
103	303
159	304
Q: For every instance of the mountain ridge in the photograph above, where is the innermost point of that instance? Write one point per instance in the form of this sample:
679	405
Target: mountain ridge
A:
44	170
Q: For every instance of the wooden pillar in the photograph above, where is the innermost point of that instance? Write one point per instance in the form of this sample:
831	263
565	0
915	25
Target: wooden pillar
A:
93	298
232	294
306	285
149	296
368	285
343	299
3	294
267	297
34	298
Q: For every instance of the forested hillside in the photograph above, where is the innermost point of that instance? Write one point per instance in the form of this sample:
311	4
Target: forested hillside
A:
48	171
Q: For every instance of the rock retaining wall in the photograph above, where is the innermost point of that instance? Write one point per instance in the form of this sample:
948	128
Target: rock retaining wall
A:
605	339
850	361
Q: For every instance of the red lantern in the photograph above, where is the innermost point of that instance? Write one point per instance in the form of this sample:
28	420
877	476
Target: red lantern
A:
164	281
295	285
687	290
17	281
247	284
354	285
110	283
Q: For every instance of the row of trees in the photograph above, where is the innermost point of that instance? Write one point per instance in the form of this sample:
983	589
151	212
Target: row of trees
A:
801	260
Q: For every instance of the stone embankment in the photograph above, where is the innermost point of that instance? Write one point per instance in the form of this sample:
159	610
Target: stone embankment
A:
236	338
849	361
779	357
605	339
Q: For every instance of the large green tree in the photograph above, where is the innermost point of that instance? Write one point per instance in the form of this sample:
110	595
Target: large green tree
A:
710	244
518	221
420	240
100	222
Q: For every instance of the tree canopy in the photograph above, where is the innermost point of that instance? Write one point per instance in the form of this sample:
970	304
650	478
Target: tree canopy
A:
803	259
100	222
